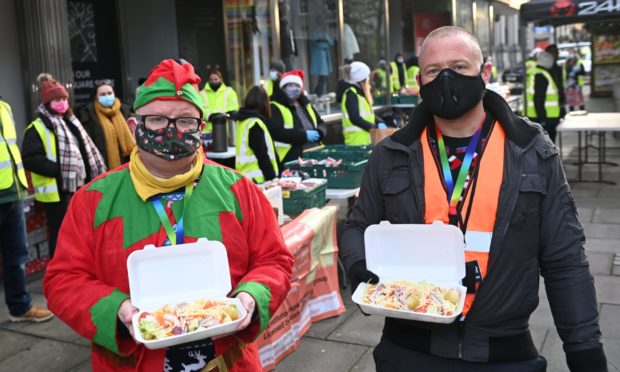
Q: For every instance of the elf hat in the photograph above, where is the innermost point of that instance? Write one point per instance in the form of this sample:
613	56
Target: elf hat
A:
294	76
50	89
170	81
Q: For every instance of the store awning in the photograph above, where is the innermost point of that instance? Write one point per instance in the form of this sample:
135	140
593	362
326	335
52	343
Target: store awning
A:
561	12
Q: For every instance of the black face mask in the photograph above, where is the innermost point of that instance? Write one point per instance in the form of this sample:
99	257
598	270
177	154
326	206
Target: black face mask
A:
451	94
215	86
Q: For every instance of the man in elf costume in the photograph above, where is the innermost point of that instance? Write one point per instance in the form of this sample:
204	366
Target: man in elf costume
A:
168	193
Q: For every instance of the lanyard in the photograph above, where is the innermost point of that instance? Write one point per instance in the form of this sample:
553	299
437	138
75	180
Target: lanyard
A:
456	190
165	221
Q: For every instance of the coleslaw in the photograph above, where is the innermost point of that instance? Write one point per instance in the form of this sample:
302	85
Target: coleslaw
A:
172	320
419	297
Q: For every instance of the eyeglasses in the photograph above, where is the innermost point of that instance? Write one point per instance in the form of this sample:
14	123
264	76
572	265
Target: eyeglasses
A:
183	124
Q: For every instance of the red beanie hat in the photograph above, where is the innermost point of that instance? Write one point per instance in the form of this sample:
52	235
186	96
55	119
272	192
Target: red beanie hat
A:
50	89
295	76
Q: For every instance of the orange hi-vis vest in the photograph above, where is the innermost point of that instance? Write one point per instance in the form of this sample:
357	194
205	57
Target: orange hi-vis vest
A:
482	218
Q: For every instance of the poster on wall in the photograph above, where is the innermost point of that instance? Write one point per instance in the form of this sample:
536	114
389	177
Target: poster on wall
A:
95	55
424	23
606	59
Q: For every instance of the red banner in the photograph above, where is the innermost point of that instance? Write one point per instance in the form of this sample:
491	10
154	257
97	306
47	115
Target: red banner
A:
314	293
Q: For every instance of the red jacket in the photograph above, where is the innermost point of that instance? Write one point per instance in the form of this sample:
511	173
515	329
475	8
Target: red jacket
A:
86	281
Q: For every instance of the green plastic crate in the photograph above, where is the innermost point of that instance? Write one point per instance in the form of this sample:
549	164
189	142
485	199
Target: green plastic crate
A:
409	99
344	152
347	176
297	201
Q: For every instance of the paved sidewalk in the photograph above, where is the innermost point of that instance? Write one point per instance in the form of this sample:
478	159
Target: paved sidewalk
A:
345	343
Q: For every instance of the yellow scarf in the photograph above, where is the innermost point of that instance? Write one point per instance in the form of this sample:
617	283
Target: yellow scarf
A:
148	185
118	139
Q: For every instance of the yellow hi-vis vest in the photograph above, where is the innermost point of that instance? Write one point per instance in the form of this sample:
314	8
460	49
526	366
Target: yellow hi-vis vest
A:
282	148
45	188
354	135
394	81
410	76
552	100
217	102
380	81
9	150
245	160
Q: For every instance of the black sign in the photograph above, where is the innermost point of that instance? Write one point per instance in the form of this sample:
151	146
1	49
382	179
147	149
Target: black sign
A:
95	56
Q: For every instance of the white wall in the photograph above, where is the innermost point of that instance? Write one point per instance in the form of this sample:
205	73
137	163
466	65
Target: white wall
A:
149	35
11	82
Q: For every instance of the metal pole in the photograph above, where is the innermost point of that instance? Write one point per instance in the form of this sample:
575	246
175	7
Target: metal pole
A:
386	14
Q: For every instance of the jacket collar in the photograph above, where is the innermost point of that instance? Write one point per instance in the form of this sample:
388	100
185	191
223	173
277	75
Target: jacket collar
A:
517	129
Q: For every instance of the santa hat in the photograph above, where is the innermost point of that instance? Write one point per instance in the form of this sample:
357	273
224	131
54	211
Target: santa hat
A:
170	80
50	89
359	72
295	76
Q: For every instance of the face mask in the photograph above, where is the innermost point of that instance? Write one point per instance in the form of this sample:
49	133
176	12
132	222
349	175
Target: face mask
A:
167	143
451	94
107	101
400	60
274	75
60	107
292	92
215	86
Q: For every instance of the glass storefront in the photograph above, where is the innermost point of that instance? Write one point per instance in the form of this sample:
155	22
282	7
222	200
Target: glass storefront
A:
309	41
464	14
482	29
249	43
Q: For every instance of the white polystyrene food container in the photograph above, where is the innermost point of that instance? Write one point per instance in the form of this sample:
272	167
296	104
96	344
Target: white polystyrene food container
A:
434	253
176	274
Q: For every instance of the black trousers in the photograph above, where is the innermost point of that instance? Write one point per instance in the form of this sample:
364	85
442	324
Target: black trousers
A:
393	358
54	213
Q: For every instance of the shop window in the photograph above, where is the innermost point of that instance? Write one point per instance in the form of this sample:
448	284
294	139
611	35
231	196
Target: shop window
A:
309	41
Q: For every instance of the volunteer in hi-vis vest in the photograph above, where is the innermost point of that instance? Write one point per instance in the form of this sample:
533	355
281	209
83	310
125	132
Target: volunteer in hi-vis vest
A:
542	98
217	97
358	116
295	125
413	69
398	73
379	79
467	160
255	154
59	154
14	242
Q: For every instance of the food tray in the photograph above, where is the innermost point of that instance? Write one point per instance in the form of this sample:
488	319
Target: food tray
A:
297	201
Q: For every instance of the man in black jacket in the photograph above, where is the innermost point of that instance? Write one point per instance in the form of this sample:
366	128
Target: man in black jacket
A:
523	194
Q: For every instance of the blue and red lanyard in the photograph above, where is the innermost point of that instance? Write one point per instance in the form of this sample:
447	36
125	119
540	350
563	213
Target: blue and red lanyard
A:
178	236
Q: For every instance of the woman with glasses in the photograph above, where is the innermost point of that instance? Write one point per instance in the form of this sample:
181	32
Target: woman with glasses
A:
255	153
105	121
59	154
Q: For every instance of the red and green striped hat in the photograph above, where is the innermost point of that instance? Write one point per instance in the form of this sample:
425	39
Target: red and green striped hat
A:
170	80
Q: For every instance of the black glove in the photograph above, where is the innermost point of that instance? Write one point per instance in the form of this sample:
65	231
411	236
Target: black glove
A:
359	274
589	360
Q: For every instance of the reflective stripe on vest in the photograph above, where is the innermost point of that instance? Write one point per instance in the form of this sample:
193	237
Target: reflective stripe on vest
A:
394	80
245	160
9	150
482	218
282	148
552	100
46	188
354	135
